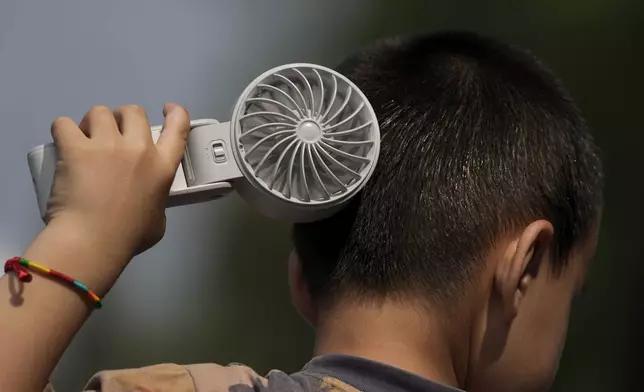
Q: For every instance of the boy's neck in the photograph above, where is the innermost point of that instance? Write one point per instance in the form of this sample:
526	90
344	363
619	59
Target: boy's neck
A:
404	337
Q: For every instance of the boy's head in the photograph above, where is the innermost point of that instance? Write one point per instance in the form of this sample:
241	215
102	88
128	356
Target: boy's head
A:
482	213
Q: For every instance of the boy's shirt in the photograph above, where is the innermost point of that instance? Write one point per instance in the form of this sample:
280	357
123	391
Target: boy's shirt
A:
329	373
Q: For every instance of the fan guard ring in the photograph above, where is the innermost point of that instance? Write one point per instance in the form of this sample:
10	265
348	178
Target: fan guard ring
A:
305	134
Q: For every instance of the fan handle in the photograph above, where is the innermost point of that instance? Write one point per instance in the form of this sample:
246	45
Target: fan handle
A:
205	173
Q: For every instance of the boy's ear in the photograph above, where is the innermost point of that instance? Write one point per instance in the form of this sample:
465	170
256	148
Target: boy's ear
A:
300	294
517	270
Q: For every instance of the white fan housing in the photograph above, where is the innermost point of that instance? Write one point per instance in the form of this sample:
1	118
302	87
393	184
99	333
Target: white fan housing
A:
302	141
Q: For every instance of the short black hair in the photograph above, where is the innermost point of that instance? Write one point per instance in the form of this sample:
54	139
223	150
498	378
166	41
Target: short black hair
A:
478	138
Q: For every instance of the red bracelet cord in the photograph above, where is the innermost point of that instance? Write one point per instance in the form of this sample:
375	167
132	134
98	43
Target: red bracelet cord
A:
20	267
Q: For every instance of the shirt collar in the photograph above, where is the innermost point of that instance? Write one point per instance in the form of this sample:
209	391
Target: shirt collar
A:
371	376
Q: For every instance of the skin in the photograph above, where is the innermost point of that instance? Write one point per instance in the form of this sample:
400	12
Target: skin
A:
108	203
507	333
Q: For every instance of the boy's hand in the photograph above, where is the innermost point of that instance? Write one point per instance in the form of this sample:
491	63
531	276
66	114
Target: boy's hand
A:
112	181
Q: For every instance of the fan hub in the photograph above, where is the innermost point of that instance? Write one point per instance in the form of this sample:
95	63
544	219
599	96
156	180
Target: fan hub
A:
309	131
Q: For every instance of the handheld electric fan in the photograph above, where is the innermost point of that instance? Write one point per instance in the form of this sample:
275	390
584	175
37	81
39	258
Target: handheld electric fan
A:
302	141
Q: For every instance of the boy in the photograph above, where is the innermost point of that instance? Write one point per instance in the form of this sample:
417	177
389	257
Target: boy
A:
454	269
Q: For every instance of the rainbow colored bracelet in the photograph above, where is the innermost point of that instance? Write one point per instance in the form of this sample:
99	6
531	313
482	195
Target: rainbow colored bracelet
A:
21	268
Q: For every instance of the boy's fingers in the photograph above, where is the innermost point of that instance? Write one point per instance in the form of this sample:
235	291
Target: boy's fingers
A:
133	123
65	132
176	126
99	123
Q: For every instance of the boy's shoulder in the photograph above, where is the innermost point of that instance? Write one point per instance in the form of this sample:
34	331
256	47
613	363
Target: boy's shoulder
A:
329	373
207	377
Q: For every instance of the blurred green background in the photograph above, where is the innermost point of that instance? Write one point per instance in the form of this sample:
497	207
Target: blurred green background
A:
215	289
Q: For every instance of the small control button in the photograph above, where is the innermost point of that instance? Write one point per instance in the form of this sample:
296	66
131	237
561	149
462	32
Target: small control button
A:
219	152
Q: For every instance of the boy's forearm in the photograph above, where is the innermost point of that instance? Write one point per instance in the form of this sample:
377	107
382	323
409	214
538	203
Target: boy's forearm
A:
39	319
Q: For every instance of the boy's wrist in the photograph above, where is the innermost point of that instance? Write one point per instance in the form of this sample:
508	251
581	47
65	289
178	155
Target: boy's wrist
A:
81	251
